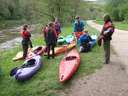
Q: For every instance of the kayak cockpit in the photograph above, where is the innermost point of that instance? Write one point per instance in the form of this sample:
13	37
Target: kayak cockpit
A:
70	58
29	63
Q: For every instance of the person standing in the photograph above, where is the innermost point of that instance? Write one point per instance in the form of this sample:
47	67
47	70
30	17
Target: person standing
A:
106	35
50	38
78	27
26	41
57	26
44	31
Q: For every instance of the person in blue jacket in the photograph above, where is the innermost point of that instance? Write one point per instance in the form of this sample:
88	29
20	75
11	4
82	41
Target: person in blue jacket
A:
86	42
78	25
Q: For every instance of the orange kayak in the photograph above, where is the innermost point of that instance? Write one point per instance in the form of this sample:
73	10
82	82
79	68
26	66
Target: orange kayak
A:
62	49
68	65
37	50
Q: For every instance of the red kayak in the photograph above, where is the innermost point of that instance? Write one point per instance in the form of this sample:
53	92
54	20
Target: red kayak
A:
69	65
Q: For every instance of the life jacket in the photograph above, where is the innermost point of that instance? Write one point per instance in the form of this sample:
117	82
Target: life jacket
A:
51	36
108	25
108	31
25	34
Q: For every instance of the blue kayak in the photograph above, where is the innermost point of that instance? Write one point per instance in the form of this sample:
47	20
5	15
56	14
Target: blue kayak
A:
69	39
93	41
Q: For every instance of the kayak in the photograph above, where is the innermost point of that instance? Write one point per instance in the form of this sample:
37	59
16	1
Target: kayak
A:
68	65
61	40
94	37
62	49
69	39
78	34
28	69
93	42
37	50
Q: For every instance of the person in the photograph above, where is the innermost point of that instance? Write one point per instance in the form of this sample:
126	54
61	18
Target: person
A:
26	41
51	37
106	35
45	30
57	26
78	27
86	42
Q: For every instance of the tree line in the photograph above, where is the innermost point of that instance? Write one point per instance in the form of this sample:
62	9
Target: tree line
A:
117	9
65	10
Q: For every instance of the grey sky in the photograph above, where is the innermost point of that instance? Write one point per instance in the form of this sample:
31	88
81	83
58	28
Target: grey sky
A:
90	0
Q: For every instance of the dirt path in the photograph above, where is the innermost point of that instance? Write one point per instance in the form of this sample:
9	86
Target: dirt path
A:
111	80
119	43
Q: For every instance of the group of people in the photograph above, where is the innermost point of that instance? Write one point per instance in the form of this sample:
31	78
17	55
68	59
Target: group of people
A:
52	30
82	36
105	36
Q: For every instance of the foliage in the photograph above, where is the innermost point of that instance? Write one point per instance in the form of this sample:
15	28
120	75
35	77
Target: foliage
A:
118	25
47	10
117	9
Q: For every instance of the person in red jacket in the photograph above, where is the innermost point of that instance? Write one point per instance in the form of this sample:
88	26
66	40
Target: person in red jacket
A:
26	41
57	26
106	35
44	31
50	39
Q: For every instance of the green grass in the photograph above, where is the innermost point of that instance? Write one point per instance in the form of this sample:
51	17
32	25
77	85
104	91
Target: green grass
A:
45	82
118	25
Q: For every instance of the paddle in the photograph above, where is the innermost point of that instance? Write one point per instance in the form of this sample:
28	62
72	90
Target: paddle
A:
13	71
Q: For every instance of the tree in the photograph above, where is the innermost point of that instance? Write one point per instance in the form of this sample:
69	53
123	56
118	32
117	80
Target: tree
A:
117	9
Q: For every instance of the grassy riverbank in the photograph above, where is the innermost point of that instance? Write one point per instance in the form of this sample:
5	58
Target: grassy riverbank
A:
118	25
45	82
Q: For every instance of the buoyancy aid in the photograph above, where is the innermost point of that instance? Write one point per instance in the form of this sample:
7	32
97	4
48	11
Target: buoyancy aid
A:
25	34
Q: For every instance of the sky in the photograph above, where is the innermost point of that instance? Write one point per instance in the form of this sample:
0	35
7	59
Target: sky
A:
90	0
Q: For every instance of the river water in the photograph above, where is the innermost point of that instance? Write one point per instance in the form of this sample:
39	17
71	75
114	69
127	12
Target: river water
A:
10	37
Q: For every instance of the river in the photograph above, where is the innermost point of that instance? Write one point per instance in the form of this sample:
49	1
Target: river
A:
10	37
